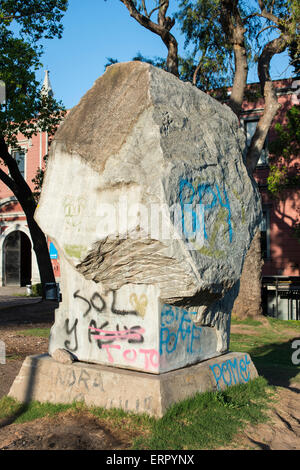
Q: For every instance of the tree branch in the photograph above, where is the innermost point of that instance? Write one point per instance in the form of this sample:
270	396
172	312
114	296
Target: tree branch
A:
16	181
145	9
233	27
276	46
162	29
8	181
155	9
196	71
17	17
267	27
266	14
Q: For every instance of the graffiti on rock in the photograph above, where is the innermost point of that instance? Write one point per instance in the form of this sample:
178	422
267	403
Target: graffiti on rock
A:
197	202
231	372
178	328
116	337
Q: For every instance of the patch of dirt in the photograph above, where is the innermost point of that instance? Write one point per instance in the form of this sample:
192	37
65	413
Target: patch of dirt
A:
282	432
8	373
67	431
242	329
17	347
248	330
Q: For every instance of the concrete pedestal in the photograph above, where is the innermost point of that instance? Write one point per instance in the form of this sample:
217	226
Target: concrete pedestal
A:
42	378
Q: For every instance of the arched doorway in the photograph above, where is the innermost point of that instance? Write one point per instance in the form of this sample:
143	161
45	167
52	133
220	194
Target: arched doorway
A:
17	259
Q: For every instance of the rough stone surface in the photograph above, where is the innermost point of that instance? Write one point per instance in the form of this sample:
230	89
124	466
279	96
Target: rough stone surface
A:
43	379
142	145
63	356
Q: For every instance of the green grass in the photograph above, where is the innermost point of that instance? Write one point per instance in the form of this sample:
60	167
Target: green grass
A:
283	324
270	347
248	321
14	357
40	332
205	421
209	420
28	412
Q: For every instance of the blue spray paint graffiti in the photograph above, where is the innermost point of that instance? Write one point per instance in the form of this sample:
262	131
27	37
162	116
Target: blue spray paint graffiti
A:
208	197
176	328
231	372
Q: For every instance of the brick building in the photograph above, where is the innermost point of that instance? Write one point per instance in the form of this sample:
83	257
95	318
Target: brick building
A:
17	258
281	250
279	246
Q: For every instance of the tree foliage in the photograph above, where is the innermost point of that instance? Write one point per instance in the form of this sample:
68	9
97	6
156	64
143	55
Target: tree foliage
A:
23	23
223	38
26	109
37	19
285	149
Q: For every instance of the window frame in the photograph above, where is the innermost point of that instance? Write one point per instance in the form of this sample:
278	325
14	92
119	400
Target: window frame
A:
23	151
266	211
265	150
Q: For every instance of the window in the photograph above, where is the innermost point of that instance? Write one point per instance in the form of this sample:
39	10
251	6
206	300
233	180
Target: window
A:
250	127
19	156
265	234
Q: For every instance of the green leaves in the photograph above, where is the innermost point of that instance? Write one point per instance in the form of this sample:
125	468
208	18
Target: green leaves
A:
210	30
26	110
36	18
284	170
287	142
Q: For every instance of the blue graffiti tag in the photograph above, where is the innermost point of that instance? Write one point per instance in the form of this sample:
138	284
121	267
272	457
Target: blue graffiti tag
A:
206	192
177	327
231	372
186	206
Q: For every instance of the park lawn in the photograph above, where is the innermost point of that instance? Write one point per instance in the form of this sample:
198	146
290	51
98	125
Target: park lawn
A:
38	332
269	344
208	420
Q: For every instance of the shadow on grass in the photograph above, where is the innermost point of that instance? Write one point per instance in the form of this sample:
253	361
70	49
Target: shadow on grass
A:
274	362
13	417
36	312
27	397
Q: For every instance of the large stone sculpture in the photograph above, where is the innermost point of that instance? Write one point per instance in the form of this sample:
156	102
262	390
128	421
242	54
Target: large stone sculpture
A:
151	208
143	146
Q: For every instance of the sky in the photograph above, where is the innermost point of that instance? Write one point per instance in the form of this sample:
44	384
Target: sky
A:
97	29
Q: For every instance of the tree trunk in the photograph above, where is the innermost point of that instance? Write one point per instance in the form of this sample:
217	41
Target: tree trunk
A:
40	247
276	46
234	30
248	302
162	29
23	193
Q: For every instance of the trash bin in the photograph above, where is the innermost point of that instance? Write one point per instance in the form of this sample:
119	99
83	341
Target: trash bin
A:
52	291
28	289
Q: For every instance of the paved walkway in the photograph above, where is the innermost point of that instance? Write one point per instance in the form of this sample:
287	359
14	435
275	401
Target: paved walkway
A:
15	296
12	291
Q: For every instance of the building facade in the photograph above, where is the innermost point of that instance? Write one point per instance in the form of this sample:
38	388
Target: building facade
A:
18	265
279	246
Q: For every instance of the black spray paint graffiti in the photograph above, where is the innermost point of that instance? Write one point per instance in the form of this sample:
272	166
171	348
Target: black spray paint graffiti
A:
82	378
69	331
134	334
91	303
100	307
96	303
